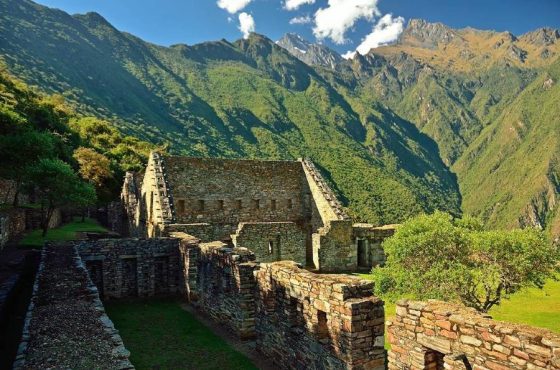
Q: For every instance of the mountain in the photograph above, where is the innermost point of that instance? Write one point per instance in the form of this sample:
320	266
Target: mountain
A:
310	53
250	98
451	119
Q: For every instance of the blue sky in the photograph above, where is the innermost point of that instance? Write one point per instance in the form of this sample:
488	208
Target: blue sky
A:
167	22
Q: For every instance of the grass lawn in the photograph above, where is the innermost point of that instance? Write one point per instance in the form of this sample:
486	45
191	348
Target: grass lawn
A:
161	335
533	306
34	239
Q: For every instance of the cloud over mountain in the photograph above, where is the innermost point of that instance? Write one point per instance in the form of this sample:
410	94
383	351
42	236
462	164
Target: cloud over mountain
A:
301	20
384	32
295	4
340	15
246	24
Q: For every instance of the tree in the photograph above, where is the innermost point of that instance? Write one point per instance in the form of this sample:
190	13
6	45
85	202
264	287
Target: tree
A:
57	185
94	167
18	151
440	257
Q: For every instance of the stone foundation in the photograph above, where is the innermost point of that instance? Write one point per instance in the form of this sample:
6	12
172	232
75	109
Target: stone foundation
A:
437	335
134	267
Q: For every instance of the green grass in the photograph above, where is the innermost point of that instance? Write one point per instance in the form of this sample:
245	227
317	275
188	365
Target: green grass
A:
34	239
533	306
161	335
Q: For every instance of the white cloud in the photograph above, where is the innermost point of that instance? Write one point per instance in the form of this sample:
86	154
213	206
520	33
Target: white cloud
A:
301	20
340	15
233	6
295	4
384	32
246	24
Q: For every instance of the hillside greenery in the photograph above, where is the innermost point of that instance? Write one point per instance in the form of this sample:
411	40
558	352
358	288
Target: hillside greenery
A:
418	126
42	146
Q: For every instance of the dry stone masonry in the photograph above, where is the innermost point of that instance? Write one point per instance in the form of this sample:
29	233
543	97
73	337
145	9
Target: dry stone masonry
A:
312	321
439	335
122	268
278	209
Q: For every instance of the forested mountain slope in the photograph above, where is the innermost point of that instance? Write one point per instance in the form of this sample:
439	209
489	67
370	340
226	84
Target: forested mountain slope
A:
245	99
385	128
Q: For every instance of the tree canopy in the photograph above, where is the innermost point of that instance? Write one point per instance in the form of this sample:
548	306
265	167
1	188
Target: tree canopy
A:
438	256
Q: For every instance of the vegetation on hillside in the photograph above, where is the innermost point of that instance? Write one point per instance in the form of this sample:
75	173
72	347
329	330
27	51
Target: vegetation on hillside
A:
248	99
385	128
448	258
60	158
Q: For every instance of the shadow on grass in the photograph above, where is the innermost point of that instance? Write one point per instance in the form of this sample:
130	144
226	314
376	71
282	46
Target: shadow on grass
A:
161	335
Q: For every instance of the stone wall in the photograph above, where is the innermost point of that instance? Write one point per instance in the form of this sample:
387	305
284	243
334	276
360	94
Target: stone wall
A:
204	231
334	249
66	326
272	241
156	203
131	205
437	335
225	286
33	219
134	267
227	192
8	192
311	321
368	243
12	224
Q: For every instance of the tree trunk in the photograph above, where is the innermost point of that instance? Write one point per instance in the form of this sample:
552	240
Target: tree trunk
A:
84	214
16	196
46	220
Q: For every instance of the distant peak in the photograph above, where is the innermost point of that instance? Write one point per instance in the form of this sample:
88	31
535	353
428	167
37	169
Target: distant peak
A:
93	19
542	36
427	34
308	52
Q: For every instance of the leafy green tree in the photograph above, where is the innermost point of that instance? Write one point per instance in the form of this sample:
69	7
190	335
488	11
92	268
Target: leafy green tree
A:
19	151
57	185
440	257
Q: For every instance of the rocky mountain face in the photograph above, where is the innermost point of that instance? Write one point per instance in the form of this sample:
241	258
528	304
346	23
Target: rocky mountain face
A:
310	53
442	119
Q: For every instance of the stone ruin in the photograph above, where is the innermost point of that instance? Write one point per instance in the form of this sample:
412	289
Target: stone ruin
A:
281	210
297	318
439	335
66	326
260	273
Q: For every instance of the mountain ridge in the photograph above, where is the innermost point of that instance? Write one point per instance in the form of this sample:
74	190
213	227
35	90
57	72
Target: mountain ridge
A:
385	128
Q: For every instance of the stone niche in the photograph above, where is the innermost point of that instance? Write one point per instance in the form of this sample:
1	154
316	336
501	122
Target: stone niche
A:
312	321
133	267
438	335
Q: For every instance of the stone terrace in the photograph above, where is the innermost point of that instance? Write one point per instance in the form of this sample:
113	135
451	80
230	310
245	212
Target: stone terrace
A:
66	326
437	335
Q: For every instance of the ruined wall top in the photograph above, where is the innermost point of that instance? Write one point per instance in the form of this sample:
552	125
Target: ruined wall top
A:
327	203
435	333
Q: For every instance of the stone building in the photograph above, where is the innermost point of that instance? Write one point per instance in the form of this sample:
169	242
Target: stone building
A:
280	210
